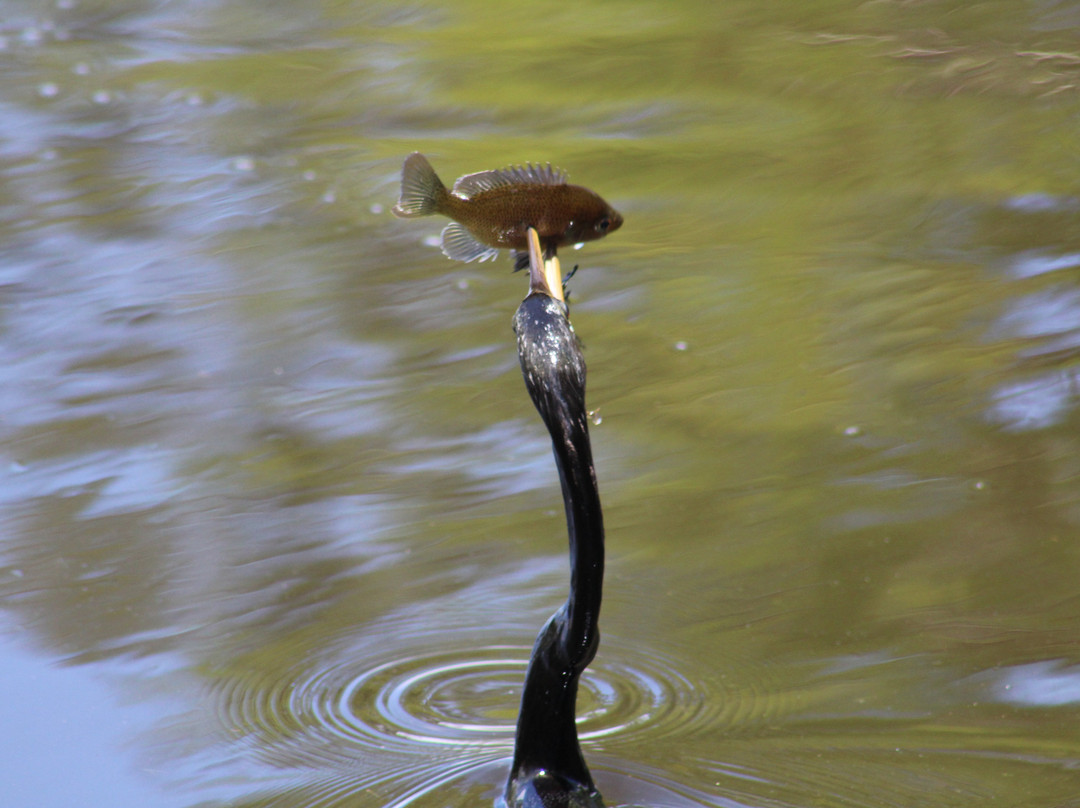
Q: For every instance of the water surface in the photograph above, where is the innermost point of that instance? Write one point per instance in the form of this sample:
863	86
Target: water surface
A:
279	522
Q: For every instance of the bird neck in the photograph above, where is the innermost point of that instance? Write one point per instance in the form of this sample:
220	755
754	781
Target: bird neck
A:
585	528
547	740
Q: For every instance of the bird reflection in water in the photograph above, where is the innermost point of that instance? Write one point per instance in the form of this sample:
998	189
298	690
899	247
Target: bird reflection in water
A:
549	770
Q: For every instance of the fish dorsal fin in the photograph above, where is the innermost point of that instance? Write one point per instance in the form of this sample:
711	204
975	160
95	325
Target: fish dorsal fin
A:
528	174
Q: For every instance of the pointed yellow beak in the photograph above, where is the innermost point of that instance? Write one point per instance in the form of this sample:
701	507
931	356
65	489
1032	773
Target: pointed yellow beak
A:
545	274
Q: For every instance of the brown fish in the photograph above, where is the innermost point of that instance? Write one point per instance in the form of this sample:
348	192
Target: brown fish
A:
493	210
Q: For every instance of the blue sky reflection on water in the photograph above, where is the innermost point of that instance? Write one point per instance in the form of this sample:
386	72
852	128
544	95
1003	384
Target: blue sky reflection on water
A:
71	738
1040	684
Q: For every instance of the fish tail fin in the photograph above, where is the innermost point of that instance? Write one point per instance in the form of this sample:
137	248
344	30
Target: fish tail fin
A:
422	192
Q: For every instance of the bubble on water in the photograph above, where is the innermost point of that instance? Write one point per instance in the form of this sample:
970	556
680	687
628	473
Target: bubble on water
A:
102	97
681	346
243	163
376	208
432	241
49	89
853	431
193	99
330	197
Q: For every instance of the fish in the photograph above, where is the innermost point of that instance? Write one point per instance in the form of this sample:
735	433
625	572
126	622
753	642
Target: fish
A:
492	210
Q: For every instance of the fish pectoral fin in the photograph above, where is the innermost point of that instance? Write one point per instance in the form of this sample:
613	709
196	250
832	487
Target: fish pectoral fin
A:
461	245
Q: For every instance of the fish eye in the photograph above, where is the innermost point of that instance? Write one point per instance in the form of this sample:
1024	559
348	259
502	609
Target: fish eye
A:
603	224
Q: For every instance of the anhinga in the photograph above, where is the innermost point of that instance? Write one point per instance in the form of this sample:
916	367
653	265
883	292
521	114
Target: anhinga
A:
549	770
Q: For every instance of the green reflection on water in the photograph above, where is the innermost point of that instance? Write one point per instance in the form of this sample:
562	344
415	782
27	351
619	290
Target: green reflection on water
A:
254	421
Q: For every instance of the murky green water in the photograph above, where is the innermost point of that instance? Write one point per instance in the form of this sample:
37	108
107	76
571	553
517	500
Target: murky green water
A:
279	523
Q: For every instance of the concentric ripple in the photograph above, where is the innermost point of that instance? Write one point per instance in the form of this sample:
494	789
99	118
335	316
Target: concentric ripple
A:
626	695
446	701
450	699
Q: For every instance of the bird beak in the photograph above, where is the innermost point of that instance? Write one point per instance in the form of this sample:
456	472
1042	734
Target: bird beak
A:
545	275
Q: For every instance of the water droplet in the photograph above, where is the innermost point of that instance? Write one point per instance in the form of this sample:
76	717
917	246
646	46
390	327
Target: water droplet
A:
681	346
102	97
595	417
193	100
376	208
50	89
579	245
330	197
432	241
243	163
980	485
852	431
463	284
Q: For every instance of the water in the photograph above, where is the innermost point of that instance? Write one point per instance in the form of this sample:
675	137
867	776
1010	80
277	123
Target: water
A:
279	523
